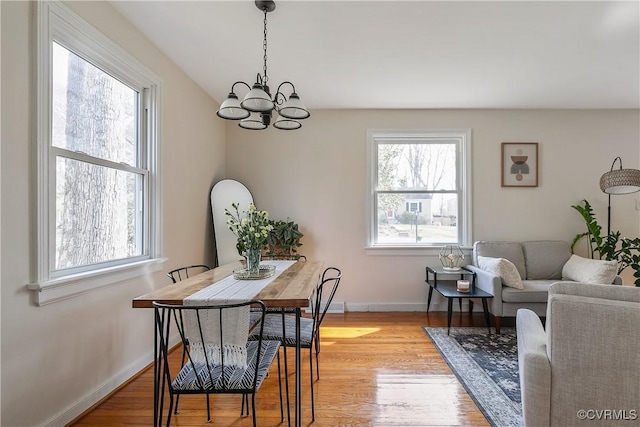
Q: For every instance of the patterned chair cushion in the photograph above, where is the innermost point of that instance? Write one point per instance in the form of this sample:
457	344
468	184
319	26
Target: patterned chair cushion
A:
233	378
273	330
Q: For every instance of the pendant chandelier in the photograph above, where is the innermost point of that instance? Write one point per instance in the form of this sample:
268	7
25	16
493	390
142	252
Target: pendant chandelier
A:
256	109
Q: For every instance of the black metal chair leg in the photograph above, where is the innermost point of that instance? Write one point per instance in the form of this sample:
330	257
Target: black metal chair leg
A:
208	409
280	389
317	350
253	409
313	409
245	400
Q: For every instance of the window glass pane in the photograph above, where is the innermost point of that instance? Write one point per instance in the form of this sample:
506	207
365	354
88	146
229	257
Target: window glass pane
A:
96	214
417	218
420	166
92	112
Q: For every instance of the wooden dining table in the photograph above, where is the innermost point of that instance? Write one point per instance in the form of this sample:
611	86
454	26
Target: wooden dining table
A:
292	289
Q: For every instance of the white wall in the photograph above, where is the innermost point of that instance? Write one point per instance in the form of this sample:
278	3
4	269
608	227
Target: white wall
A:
59	358
317	176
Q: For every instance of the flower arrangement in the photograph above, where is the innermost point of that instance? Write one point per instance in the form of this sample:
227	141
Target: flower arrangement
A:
252	230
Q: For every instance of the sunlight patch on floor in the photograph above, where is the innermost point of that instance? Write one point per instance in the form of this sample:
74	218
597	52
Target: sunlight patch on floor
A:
407	399
337	332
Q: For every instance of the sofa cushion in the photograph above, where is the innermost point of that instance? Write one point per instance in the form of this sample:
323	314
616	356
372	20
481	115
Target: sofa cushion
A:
590	270
534	291
507	250
503	268
544	259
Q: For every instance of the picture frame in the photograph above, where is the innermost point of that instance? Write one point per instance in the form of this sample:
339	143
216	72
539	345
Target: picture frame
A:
519	164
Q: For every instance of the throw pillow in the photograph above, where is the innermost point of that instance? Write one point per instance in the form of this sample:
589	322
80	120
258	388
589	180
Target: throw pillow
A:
589	270
504	268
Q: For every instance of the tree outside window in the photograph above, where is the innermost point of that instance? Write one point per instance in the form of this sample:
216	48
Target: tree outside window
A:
417	189
95	133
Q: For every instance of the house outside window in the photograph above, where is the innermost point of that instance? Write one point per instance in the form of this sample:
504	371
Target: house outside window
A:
419	188
97	159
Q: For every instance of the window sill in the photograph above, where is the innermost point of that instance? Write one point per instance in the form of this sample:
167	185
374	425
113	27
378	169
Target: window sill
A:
410	251
70	286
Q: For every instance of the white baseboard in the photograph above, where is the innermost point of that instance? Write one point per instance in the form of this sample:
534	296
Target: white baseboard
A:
342	307
69	414
410	307
334	307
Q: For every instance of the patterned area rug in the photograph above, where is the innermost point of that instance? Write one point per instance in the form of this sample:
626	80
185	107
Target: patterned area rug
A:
487	367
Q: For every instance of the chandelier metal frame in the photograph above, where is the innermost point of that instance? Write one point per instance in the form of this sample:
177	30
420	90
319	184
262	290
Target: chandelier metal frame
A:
256	109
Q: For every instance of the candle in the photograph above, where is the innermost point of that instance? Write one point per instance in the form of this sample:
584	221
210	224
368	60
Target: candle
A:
463	286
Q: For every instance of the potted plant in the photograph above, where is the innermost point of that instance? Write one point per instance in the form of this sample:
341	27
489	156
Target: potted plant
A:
284	239
612	247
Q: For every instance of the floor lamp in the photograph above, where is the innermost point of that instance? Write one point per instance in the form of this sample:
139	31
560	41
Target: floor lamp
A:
619	181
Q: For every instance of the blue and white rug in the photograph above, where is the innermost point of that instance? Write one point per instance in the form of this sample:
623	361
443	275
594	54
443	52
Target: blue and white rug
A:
487	367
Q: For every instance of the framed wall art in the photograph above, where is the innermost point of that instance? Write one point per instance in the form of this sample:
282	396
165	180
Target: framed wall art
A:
519	164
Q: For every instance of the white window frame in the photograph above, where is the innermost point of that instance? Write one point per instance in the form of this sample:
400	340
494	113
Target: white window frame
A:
55	22
462	138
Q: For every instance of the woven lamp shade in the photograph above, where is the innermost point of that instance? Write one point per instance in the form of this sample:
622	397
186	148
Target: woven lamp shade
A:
620	181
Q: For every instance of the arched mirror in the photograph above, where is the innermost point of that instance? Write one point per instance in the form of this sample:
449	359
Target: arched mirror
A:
223	194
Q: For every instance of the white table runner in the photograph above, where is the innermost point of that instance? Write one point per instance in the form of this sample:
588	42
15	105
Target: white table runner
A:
206	347
232	289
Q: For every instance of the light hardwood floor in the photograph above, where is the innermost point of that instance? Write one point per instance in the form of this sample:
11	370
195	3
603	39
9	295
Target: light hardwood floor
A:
376	369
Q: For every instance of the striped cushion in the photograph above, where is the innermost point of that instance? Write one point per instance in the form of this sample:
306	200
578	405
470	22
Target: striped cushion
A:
255	315
273	330
233	378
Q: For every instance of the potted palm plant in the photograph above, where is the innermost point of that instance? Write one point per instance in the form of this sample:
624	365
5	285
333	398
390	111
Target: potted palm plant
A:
610	247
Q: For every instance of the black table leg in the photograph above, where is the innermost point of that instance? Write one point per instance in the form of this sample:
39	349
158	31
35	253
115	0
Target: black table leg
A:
449	310
486	314
298	384
429	299
460	304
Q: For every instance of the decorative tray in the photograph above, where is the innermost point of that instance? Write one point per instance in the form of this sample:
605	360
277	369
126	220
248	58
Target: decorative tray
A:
263	272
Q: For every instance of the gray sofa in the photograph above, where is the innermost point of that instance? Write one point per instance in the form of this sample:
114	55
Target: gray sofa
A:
583	369
539	263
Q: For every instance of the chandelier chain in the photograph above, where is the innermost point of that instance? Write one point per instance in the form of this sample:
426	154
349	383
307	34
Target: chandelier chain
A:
264	46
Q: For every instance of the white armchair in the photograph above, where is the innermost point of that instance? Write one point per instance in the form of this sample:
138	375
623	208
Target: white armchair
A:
584	368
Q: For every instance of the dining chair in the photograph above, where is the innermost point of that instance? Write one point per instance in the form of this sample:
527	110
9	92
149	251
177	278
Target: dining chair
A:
215	363
185	272
281	326
176	276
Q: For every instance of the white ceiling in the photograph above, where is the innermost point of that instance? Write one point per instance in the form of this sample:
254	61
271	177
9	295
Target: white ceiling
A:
409	54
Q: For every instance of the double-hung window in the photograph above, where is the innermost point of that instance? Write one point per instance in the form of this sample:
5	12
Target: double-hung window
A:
419	188
97	159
